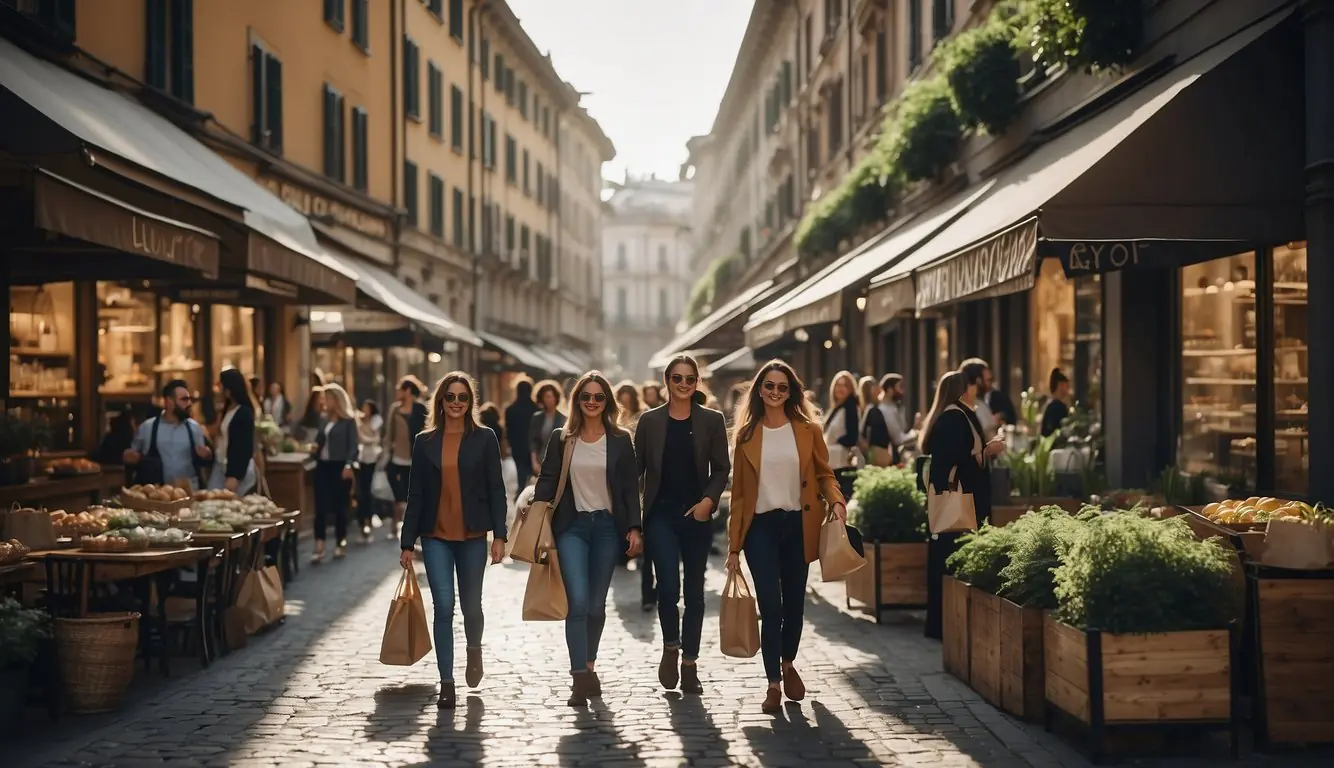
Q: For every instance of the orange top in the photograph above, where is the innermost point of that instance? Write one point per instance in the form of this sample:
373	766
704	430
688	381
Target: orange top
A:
449	516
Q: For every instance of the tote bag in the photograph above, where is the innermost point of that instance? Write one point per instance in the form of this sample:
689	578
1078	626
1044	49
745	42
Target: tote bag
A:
532	534
949	509
544	598
406	638
838	559
738	621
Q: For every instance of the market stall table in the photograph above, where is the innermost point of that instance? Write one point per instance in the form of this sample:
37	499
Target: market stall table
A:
73	493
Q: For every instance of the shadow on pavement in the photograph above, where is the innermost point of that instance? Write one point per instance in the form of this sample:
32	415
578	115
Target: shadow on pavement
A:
701	739
396	710
792	742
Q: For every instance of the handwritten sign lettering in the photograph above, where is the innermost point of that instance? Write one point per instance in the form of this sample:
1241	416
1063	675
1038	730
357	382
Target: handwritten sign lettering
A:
318	206
1007	256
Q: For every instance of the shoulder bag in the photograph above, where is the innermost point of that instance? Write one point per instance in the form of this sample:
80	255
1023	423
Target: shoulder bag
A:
950	510
532	535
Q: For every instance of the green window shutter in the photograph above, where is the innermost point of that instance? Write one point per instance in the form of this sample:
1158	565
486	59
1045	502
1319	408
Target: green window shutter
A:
410	191
484	59
359	149
435	108
456	118
333	14
257	103
361	24
457	212
437	202
472	224
183	50
273	75
456	19
155	43
500	73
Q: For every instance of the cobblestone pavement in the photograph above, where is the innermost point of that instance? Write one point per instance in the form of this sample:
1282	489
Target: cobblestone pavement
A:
312	692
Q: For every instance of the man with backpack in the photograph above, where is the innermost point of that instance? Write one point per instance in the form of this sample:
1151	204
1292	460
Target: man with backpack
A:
170	447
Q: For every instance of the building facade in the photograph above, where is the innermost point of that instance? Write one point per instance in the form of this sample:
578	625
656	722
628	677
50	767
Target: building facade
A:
646	271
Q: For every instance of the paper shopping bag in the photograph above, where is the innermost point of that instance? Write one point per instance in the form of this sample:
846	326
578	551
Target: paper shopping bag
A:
738	621
1296	544
532	536
951	510
544	598
838	559
260	600
407	638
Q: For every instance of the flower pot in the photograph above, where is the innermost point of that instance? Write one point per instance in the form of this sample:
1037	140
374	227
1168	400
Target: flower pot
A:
15	470
1021	664
984	661
895	577
1294	690
954	599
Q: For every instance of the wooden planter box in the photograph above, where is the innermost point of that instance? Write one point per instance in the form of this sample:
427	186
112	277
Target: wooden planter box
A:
894	577
1170	678
984	633
1293	621
1021	663
955	647
1014	508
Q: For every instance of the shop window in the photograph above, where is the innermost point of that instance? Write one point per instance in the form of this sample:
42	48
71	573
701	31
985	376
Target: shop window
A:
1218	369
368	379
126	354
1087	377
1291	334
234	339
178	346
1053	318
43	372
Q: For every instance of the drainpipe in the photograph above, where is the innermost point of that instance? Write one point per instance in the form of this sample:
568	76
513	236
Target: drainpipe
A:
554	211
398	125
473	44
847	91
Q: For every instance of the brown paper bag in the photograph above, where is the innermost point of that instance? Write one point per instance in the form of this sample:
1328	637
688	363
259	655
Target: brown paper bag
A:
738	621
950	511
544	598
1297	545
532	535
407	638
838	559
261	598
31	526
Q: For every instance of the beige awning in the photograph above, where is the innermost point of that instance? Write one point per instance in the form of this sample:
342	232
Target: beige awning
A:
742	360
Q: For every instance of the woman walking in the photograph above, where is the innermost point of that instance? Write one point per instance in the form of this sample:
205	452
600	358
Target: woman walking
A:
598	510
406	420
627	397
518	417
546	420
952	437
842	425
235	450
875	443
305	430
682	450
781	483
370	444
335	455
456	496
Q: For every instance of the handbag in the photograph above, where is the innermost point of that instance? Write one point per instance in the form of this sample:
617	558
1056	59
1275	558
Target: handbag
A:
407	638
381	490
260	601
738	620
532	533
950	510
838	559
544	597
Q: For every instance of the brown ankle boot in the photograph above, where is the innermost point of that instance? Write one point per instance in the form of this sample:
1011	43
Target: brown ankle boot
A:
594	684
690	679
446	700
667	674
773	700
473	672
792	685
579	692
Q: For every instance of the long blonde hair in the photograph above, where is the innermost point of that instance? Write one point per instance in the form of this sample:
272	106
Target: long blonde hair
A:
611	414
750	409
866	385
948	392
847	378
342	402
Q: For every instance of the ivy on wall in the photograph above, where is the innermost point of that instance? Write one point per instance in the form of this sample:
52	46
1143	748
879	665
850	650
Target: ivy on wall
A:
715	280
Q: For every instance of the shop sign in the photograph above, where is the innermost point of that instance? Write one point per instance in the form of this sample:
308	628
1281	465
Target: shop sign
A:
885	301
270	259
1093	257
996	261
315	205
88	215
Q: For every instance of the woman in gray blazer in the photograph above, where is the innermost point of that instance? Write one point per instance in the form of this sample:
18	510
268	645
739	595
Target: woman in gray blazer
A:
335	455
546	420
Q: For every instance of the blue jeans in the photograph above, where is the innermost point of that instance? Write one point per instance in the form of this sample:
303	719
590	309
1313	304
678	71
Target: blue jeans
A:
776	554
444	558
588	552
677	543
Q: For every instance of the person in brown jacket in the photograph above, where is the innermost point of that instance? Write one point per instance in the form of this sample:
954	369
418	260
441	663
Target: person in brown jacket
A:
781	484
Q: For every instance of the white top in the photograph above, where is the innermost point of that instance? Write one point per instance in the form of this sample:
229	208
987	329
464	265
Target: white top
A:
588	475
780	471
985	417
324	452
840	455
220	446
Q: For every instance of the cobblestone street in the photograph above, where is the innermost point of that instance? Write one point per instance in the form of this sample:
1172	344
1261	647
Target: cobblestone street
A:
314	693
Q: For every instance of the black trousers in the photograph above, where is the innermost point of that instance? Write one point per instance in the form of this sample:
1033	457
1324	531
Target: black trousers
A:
938	550
333	497
679	545
365	499
776	554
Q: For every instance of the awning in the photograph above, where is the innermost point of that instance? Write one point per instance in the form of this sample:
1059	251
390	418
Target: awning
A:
524	356
735	362
992	248
381	286
560	364
820	299
114	123
690	338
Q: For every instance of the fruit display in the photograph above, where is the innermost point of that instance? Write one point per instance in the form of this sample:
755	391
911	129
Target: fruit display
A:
238	514
214	525
221	494
121	519
1255	511
150	492
154	520
169	538
87	523
66	467
12	551
119	540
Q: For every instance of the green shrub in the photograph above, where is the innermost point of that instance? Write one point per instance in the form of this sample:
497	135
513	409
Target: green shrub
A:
20	631
982	555
981	66
1039	540
1127	573
714	281
889	507
923	138
1088	35
865	195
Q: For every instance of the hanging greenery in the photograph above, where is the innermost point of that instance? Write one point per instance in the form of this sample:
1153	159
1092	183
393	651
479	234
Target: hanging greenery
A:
1088	35
865	195
926	131
981	66
713	282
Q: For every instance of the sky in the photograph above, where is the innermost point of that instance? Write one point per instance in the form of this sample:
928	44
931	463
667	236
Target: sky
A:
654	70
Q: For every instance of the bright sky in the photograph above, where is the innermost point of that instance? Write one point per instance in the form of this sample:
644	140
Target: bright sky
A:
655	70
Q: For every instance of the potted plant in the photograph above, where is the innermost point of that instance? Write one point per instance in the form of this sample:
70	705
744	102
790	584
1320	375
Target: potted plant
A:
1143	631
891	514
970	623
21	629
1033	478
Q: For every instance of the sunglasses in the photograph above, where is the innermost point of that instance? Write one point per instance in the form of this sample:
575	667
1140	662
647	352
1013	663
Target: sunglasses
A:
596	397
689	379
770	386
463	397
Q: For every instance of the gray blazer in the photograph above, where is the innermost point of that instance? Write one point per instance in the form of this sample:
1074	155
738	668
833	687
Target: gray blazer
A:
537	439
343	442
621	482
709	431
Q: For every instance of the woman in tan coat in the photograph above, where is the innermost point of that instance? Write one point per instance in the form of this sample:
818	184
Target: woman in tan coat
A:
781	484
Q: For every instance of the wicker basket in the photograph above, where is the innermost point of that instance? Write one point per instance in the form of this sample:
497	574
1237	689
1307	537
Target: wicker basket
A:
96	656
148	505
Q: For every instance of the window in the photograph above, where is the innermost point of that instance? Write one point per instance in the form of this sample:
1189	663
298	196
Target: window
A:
410	191
836	118
537	111
169	58
526	189
523	99
832	12
541	185
412	105
620	257
511	160
620	305
487	242
472	128
456	118
435	100
881	65
662	305
484	59
662	258
509	87
361	25
456	19
500	73
942	19
546	122
914	34
488	141
333	14
459	231
437	201
360	153
266	94
472	224
865	87
335	151
436	7
1291	392
810	38
509	234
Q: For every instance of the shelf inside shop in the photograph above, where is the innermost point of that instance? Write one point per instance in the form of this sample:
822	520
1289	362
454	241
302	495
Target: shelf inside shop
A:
38	353
1217	352
1206	382
29	395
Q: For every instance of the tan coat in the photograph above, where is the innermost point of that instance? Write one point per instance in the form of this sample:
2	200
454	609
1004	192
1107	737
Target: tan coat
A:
818	487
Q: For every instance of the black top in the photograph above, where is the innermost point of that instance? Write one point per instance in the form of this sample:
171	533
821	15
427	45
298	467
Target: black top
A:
1053	415
876	429
680	478
342	441
537	438
1000	404
622	483
240	441
481	486
708	446
952	443
851	422
517	418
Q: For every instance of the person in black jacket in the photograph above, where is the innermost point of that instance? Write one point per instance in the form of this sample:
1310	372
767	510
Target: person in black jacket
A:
875	444
518	417
1056	411
456	497
235	452
546	420
403	423
952	436
337	446
597	514
842	428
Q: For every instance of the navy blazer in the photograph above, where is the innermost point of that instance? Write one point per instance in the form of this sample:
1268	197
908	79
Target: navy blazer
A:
622	483
482	486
